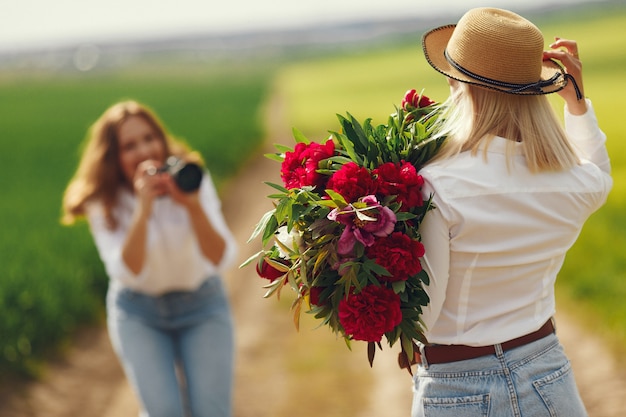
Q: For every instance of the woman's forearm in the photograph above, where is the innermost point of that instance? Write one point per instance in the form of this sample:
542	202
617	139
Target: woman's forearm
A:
211	243
134	248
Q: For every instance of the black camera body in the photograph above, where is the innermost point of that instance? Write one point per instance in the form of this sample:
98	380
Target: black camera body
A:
186	175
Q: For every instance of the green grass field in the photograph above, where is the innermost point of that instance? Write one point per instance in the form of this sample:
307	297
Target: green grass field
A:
52	280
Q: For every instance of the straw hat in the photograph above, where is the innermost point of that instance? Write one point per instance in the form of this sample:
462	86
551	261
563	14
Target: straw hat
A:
496	49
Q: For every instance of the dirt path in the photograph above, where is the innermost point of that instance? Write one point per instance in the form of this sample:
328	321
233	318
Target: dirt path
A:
89	381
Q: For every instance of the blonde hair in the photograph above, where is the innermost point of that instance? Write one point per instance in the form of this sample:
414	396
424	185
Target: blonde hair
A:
475	115
99	175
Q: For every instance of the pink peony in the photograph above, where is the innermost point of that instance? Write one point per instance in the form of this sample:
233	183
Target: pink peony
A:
363	224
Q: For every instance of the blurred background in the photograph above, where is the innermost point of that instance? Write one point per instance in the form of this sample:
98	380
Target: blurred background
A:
231	77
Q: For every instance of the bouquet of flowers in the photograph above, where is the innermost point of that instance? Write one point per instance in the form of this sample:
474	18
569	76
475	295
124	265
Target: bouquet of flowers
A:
343	234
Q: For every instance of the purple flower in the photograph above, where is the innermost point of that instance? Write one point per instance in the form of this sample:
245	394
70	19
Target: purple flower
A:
365	220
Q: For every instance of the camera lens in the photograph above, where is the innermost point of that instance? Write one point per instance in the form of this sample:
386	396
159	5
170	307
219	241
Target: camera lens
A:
188	177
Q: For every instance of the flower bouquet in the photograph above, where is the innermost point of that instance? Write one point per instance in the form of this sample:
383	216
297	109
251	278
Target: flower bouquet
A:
343	234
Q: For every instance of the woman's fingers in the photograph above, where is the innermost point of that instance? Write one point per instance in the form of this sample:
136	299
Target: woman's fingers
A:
566	52
570	46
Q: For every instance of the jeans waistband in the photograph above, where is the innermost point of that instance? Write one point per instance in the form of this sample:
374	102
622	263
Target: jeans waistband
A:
453	353
169	309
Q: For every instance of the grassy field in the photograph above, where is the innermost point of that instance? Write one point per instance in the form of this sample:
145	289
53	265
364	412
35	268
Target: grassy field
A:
592	284
52	279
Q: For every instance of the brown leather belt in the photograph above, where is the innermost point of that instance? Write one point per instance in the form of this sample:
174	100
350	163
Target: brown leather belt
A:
452	353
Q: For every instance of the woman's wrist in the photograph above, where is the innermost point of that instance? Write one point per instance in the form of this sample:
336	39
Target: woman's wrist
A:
193	206
143	211
577	107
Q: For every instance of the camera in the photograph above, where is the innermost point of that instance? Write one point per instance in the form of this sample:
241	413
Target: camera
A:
186	175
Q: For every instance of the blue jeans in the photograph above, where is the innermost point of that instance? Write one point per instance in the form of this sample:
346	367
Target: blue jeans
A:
529	381
176	349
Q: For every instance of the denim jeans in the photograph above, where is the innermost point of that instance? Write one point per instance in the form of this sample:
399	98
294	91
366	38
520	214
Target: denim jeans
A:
176	349
529	381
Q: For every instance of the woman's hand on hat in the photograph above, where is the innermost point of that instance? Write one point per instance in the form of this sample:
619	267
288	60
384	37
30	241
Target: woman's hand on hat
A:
566	51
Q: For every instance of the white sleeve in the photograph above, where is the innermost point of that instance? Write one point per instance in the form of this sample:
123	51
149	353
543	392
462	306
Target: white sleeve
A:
109	244
435	235
213	209
589	140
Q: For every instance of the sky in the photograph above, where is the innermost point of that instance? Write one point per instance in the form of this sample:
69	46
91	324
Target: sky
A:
26	24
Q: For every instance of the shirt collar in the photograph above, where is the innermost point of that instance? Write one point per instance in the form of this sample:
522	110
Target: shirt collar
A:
499	145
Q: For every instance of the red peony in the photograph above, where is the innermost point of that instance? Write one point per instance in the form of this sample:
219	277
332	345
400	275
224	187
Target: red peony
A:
352	182
265	270
314	296
299	167
401	180
398	254
371	313
413	100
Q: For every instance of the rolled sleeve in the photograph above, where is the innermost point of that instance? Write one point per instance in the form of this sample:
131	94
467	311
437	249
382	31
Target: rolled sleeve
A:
590	142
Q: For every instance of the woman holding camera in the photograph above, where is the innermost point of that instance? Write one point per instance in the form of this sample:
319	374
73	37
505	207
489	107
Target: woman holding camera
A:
163	248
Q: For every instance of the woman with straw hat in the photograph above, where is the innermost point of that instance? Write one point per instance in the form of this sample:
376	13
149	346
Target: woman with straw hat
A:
512	190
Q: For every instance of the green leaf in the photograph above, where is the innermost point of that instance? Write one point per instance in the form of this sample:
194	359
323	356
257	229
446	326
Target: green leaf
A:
327	203
407	345
297	308
350	279
283	210
342	160
371	351
270	229
299	137
282	148
277	196
252	258
277	265
403	216
376	269
359	130
297	211
348	146
398	286
274	157
359	144
273	287
277	186
337	198
261	225
320	262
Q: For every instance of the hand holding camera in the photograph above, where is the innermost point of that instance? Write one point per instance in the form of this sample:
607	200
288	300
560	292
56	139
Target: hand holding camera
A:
186	175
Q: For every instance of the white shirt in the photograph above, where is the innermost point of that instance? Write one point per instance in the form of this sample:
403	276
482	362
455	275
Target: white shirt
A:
174	261
497	238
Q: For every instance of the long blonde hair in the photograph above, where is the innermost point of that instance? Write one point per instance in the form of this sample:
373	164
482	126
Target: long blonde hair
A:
99	175
475	115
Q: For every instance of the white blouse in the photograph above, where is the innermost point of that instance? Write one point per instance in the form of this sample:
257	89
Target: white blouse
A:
174	261
498	237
